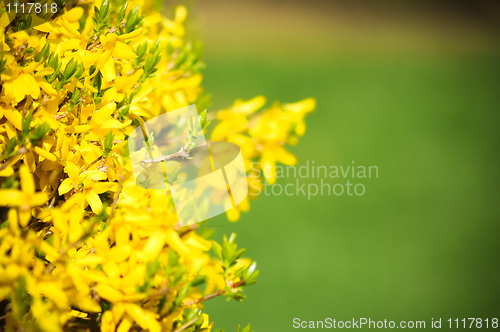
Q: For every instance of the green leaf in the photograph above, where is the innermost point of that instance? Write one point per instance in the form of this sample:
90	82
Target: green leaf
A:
38	57
10	183
80	69
46	50
237	255
132	19
217	249
70	69
162	303
141	49
104	10
76	97
26	126
252	268
246	329
9	151
151	269
53	60
39	133
202	118
108	143
198	281
205	125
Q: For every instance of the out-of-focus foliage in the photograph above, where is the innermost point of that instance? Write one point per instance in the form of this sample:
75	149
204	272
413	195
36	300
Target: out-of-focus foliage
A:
82	247
262	136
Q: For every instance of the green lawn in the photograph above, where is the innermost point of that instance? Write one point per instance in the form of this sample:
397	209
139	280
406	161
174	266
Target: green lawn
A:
423	241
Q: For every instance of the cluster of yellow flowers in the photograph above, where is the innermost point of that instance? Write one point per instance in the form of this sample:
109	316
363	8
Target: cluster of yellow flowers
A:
82	247
262	136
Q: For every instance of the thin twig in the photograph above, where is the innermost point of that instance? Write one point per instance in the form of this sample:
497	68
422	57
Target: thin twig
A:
188	324
90	165
22	150
183	153
191	228
214	294
117	195
204	298
82	100
61	115
53	201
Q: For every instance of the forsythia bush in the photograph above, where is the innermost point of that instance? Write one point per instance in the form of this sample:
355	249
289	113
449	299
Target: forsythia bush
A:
82	247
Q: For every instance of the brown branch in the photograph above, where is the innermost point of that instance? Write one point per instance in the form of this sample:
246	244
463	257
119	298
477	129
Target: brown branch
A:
214	294
53	201
90	165
183	153
204	298
61	115
94	42
188	324
191	228
94	327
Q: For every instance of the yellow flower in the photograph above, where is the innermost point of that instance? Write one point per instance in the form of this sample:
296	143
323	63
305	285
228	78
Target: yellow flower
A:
86	182
73	89
24	199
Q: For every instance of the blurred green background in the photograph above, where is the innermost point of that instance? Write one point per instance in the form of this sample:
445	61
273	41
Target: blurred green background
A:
412	89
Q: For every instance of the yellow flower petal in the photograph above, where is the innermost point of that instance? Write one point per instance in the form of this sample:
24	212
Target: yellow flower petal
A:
69	27
74	14
11	197
109	293
180	14
119	253
154	246
123	51
47	155
39	199
94	201
27	183
268	165
174	241
130	35
233	214
65	186
285	157
303	106
93	175
108	70
104	113
79	129
250	106
71	169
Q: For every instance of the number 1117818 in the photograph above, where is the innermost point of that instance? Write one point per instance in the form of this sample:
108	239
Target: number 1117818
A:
473	323
31	7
